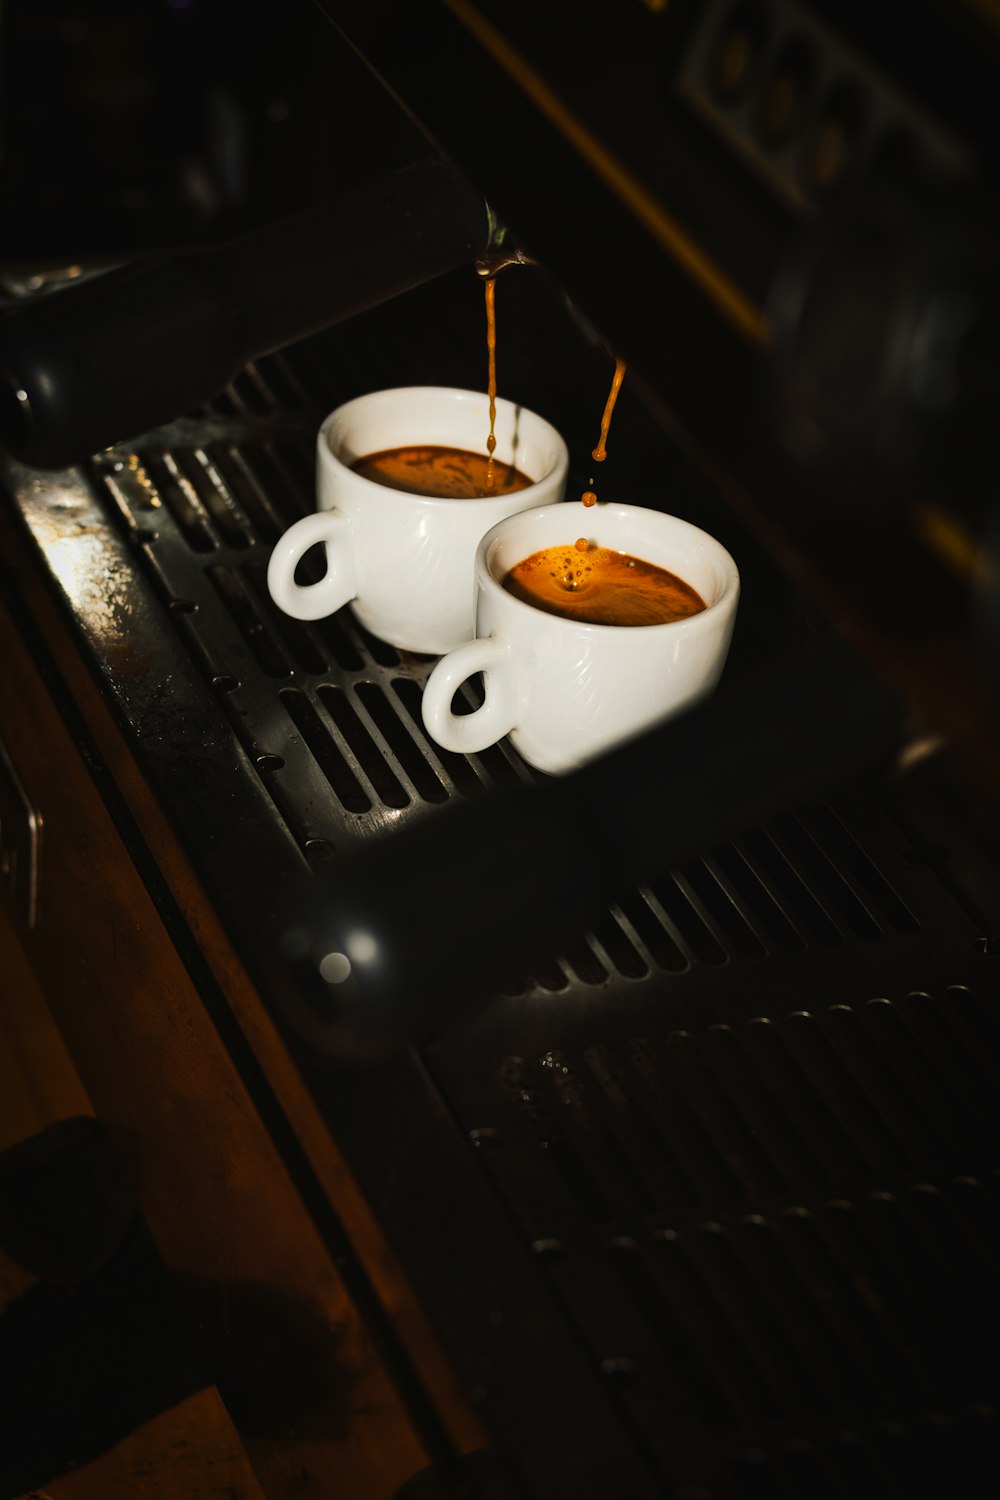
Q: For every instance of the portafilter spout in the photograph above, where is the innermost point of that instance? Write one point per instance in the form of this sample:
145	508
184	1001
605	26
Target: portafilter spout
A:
501	250
100	361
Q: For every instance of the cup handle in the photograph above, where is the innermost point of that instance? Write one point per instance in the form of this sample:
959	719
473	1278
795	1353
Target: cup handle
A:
312	601
467	733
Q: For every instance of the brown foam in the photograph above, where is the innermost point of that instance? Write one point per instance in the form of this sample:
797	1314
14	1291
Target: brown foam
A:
602	587
446	473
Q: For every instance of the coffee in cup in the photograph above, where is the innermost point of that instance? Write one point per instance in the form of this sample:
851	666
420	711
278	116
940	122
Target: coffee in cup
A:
403	558
565	688
448	473
600	586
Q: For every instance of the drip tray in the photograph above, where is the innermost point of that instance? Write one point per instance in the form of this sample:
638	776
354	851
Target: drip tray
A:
707	1205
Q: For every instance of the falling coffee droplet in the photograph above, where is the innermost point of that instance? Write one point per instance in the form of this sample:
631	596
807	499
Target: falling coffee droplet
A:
600	453
581	544
491	351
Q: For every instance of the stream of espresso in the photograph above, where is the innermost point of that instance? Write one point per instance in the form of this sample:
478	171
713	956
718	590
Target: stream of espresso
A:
491	351
600	453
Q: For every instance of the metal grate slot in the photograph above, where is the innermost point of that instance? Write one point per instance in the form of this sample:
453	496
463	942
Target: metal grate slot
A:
291	496
848	852
130	487
297	457
786	1388
694	1375
251	393
545	1204
752	1171
833	1152
282	383
181	501
585	964
661	1167
268	652
459	770
228	463
788	890
678	1126
683	1266
770	1126
369	755
830	1379
149	552
882	1084
651	932
500	768
549	976
294	636
565	1160
224	404
979	1021
695	937
836	1313
709	885
640	1381
346	786
335	634
959	1067
596	1129
825	879
757	902
886	1344
402	745
502	764
942	1100
378	650
624	954
193	468
844	1096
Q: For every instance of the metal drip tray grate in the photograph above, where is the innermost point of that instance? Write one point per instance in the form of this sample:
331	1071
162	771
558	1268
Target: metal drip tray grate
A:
716	1186
330	716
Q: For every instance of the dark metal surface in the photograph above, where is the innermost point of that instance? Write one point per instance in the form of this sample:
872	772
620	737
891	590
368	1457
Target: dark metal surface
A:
707	1207
97	362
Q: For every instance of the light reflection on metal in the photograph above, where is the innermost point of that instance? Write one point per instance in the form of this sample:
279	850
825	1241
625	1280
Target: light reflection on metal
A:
335	968
98	582
362	947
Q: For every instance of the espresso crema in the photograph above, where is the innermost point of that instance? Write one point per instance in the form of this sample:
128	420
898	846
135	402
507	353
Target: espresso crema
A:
446	473
599	586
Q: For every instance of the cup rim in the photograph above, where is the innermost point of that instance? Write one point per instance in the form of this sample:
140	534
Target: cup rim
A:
688	625
461	394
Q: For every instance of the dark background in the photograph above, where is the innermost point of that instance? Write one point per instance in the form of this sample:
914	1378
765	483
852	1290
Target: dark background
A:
132	125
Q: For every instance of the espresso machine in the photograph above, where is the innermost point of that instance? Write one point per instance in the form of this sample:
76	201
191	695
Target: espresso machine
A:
653	1152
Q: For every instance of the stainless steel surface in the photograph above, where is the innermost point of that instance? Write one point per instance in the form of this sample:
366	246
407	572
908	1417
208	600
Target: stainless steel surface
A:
763	1080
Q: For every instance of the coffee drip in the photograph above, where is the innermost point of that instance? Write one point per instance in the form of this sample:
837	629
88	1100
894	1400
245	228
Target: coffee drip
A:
491	357
600	453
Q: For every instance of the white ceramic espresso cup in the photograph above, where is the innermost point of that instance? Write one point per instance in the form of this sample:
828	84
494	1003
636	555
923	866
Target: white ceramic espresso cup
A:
405	562
566	691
